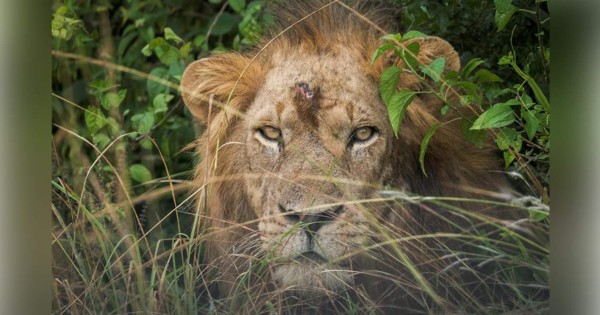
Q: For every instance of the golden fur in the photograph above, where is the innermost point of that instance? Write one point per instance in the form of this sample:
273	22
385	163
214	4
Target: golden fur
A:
308	191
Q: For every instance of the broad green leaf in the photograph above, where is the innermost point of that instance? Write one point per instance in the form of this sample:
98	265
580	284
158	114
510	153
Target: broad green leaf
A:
413	34
470	67
507	138
101	140
380	50
152	86
531	123
504	11
527	101
146	144
397	107
140	173
176	70
112	99
509	141
225	23
486	76
143	122
160	102
184	51
237	5
497	116
425	144
170	35
388	83
409	55
167	54
94	119
474	136
435	69
149	48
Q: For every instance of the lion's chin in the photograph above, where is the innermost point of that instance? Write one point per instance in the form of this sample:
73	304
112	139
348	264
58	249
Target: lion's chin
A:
311	279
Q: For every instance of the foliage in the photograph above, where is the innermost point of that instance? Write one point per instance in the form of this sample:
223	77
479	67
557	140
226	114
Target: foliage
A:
514	110
504	77
119	128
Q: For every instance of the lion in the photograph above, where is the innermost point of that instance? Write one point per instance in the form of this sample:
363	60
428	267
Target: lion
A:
300	173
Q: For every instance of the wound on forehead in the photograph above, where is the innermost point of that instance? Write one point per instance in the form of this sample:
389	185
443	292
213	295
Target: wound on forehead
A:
306	101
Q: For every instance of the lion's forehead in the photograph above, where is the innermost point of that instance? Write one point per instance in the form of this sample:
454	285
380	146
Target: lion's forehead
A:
339	81
340	76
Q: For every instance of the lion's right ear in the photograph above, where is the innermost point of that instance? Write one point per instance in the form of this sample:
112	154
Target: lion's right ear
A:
216	77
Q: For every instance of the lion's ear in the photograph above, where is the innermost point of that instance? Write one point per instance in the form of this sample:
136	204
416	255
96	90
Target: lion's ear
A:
218	77
433	47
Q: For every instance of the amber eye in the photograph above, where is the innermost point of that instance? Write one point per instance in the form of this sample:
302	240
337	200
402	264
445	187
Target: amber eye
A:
363	134
270	133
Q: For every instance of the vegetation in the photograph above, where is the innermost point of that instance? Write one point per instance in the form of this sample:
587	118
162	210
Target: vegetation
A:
126	235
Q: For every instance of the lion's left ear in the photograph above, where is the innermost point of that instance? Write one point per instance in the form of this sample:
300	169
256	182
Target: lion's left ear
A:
432	47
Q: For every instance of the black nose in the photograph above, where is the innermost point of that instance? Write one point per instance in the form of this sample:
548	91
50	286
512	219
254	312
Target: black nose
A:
314	221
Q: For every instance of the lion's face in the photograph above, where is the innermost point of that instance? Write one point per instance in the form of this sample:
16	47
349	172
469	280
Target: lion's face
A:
298	144
316	133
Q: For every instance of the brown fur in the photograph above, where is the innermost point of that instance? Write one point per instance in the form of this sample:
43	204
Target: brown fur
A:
315	167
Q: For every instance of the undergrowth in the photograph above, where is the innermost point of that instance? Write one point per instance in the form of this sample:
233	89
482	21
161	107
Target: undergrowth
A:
127	236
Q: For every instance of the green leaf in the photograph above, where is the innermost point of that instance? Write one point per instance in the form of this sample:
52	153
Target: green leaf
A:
94	119
474	136
184	51
506	138
425	144
497	116
504	11
143	122
225	23
509	141
470	67
486	76
101	140
413	34
149	48
531	123
506	59
537	215
160	102
435	69
409	55
444	110
112	99
167	54
140	173
154	87
397	107
170	35
388	82
237	5
380	50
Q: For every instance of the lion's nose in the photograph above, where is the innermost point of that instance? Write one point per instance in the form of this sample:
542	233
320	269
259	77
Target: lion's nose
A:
312	222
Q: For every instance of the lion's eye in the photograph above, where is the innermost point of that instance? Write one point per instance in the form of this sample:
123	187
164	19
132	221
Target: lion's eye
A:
363	134
270	133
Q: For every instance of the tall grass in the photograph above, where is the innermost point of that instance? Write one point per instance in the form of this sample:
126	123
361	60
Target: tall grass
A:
485	265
